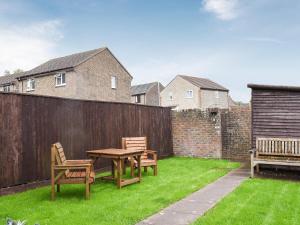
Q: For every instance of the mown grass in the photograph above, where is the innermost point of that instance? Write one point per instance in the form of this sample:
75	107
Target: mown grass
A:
177	177
258	201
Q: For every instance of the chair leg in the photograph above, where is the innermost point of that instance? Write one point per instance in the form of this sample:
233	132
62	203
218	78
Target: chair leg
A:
58	187
252	171
52	185
87	183
155	170
131	168
145	169
87	190
52	191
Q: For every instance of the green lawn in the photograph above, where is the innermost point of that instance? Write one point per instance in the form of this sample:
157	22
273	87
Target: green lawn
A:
177	177
258	201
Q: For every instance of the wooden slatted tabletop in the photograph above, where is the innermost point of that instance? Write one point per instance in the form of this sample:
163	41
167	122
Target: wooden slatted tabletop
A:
114	152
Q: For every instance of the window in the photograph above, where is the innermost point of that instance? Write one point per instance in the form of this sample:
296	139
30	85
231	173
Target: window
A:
217	94
113	82
30	84
189	94
138	99
170	96
60	79
6	88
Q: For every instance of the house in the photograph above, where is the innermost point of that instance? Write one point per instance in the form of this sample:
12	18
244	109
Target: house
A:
94	75
147	94
9	83
187	92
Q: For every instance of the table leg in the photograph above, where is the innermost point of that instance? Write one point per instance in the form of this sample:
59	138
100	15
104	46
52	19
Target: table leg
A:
123	166
139	168
119	172
131	166
112	169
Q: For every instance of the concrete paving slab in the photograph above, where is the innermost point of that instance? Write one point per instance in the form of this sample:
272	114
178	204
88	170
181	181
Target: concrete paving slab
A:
195	205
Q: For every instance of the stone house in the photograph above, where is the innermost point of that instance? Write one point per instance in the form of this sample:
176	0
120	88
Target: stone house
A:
147	94
187	92
94	75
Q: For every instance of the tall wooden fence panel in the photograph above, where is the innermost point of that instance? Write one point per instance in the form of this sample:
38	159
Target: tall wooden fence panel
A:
30	124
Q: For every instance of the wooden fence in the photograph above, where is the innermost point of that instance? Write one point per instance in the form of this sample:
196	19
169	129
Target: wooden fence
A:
30	124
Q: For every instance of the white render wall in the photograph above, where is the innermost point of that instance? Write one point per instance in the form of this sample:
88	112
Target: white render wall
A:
178	88
210	99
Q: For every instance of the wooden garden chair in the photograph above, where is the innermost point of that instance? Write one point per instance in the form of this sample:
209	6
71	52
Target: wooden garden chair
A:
69	171
149	157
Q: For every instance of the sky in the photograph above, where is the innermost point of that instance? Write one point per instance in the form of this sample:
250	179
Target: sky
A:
232	42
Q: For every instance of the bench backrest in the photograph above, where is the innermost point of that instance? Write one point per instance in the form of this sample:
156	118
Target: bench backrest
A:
135	143
278	146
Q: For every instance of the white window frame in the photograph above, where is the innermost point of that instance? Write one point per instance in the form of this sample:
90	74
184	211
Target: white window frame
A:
189	94
59	79
6	88
136	97
170	96
30	84
217	94
113	82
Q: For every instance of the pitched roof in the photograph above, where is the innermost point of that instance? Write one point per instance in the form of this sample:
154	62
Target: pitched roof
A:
8	79
61	63
141	88
203	83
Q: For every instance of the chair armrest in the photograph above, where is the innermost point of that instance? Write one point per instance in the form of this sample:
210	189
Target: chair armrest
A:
72	166
252	151
80	161
153	153
150	151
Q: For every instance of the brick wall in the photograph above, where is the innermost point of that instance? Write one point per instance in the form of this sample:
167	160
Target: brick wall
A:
236	133
196	133
213	133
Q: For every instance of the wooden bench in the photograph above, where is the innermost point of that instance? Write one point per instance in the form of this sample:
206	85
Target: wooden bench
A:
275	151
65	171
149	157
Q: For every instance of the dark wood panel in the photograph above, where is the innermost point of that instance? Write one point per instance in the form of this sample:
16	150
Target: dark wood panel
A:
275	113
30	124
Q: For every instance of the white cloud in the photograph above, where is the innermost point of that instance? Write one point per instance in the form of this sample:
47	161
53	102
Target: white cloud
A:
25	47
264	39
223	9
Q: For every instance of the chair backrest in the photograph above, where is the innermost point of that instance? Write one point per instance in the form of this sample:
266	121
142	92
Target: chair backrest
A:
135	143
58	156
278	146
58	153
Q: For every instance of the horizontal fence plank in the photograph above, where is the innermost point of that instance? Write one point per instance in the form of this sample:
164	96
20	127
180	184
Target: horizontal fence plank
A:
275	113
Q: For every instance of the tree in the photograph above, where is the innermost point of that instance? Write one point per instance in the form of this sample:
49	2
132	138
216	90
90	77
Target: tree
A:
18	71
6	72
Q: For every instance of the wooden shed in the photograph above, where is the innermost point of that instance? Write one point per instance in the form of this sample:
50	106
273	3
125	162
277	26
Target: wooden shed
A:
275	111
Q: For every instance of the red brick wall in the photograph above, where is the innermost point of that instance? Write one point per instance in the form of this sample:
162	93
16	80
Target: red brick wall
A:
236	133
196	133
225	134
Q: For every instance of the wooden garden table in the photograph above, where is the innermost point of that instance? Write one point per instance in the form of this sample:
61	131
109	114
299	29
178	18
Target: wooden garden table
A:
118	156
